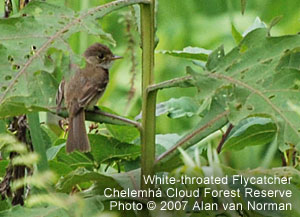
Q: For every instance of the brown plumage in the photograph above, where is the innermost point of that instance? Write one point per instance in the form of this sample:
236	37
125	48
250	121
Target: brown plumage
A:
83	91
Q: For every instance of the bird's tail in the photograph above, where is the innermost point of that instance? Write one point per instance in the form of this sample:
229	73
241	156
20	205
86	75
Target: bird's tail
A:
77	136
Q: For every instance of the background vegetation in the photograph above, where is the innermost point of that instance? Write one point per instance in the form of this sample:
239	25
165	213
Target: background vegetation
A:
196	23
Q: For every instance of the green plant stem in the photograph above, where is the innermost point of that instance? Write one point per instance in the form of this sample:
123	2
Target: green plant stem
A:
162	162
186	81
37	140
149	98
191	135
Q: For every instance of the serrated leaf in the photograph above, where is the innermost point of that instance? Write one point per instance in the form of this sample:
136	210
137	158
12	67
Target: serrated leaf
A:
123	133
180	107
24	40
74	160
194	53
81	175
108	148
126	180
251	131
215	57
258	24
176	108
259	80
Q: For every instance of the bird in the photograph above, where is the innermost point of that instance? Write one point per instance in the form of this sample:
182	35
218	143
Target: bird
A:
83	91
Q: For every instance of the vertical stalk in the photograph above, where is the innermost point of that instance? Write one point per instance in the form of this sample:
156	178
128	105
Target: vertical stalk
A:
149	98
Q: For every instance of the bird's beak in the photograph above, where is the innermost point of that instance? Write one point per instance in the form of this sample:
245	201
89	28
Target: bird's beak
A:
116	57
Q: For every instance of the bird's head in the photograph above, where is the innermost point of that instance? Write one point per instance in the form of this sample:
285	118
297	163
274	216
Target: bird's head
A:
100	55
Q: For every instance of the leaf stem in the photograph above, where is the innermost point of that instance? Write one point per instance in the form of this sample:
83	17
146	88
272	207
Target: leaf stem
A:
224	137
176	82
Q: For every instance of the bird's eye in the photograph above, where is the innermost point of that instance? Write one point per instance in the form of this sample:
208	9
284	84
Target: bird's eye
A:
100	56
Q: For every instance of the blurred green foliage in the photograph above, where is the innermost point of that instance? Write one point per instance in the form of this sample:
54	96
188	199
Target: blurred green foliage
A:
196	23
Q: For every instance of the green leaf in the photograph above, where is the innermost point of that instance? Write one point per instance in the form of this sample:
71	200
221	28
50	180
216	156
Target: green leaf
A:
59	168
258	24
75	159
215	57
165	141
128	180
251	131
28	96
81	175
108	148
290	60
259	80
178	107
3	165
37	140
24	42
48	135
215	116
4	205
194	53
2	127
54	150
236	35
206	86
123	133
103	148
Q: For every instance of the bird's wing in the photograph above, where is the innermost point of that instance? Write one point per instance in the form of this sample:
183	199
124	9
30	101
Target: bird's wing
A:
60	95
90	92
